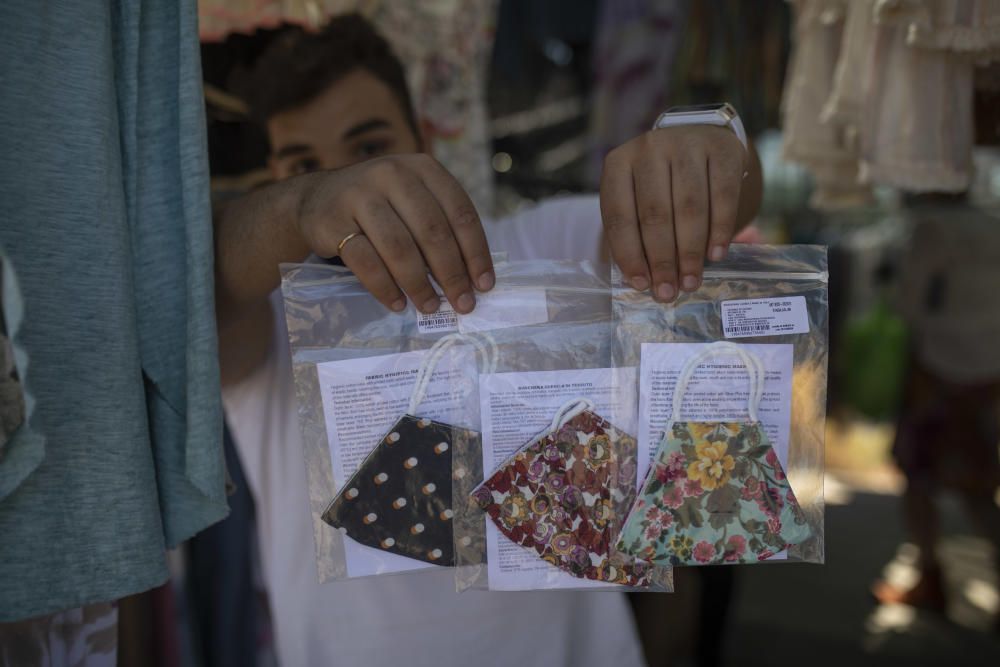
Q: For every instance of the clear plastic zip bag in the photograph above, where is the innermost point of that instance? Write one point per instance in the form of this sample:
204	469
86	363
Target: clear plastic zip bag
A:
558	448
771	302
385	401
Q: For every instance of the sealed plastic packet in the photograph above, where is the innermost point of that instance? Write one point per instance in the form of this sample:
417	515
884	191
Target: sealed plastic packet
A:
561	496
400	497
770	301
557	450
359	369
716	492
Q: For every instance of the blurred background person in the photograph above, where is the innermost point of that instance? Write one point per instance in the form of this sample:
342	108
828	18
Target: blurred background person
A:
949	424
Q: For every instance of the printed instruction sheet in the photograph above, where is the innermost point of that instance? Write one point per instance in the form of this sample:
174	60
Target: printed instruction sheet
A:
363	398
516	409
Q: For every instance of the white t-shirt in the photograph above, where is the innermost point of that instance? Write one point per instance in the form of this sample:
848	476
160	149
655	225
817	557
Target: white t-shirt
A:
411	619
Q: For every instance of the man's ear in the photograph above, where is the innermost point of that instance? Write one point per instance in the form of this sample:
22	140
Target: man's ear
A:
427	136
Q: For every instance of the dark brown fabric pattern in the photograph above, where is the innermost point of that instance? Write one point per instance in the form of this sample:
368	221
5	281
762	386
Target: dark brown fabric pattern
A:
400	498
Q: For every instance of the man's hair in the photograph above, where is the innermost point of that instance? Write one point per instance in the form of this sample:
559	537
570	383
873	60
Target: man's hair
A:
299	65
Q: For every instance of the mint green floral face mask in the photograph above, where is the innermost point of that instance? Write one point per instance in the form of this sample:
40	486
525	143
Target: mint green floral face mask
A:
716	492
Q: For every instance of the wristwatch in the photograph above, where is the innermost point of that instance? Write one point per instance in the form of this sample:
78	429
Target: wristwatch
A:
723	115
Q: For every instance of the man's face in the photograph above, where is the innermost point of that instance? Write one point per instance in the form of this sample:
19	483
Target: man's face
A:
356	118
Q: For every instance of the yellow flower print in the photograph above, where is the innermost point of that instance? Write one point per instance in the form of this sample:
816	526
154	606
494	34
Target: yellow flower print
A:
514	510
607	572
597	451
647	553
562	543
541	504
681	545
699	430
603	513
712	467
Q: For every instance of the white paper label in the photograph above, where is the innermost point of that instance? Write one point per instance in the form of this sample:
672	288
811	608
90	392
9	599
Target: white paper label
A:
516	409
445	320
363	398
500	308
765	317
497	309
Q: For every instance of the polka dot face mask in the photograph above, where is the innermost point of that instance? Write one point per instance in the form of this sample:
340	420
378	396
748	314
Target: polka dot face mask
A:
400	498
716	492
562	494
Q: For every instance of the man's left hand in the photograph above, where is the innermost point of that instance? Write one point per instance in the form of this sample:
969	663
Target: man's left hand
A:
669	199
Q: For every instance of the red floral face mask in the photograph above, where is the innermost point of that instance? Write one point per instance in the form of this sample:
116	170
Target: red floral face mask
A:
562	494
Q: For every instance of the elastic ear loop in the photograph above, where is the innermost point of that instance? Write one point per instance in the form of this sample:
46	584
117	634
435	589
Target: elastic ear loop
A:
569	410
489	354
755	370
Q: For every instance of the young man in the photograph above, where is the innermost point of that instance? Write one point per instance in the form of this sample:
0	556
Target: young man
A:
338	101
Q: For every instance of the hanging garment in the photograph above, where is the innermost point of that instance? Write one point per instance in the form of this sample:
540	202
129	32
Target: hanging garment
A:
106	220
562	494
964	27
828	150
846	103
898	108
400	497
716	492
917	133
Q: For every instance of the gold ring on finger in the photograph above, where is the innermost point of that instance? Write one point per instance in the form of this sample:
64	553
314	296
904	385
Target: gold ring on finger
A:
340	246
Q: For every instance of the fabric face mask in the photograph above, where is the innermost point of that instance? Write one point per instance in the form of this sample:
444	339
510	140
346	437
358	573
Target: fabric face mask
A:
400	498
562	494
716	492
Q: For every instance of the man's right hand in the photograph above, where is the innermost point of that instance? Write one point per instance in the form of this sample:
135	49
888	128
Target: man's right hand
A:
408	215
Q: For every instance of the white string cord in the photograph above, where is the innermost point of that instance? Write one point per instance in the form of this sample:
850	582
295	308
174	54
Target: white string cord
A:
489	354
569	410
755	370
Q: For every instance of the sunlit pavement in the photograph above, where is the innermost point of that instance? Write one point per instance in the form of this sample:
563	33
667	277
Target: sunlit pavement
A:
799	614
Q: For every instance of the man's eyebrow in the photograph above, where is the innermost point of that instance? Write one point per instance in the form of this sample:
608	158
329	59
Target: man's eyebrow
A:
292	149
366	126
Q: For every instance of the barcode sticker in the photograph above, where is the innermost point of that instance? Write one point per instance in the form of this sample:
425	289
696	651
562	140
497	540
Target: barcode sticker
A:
444	320
747	318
